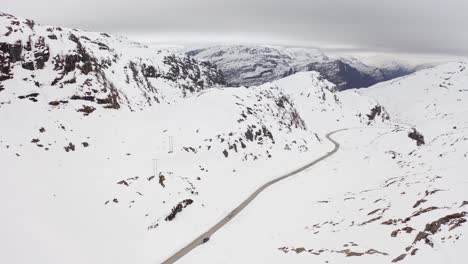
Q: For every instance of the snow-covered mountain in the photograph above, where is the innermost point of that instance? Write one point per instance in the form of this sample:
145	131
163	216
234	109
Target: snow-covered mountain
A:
254	65
113	152
95	68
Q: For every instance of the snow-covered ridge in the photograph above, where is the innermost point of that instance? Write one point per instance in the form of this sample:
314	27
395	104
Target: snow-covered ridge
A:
254	65
98	69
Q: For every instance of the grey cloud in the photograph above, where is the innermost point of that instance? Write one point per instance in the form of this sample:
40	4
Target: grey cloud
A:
417	26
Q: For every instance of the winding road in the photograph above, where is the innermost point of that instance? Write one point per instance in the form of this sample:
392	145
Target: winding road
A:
205	236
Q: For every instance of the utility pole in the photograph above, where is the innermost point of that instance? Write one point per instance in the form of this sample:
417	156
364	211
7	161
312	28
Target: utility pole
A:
155	167
171	146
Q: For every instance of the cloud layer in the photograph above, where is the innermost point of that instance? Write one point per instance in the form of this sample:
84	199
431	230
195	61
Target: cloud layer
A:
414	26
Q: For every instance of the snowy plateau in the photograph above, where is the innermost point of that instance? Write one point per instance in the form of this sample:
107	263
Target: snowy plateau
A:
115	152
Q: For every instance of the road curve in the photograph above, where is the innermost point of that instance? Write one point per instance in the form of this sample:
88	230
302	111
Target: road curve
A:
200	240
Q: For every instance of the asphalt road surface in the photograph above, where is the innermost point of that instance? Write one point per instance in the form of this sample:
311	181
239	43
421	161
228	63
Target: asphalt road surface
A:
206	236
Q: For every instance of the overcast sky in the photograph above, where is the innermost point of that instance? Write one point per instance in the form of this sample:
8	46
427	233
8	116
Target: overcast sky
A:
409	26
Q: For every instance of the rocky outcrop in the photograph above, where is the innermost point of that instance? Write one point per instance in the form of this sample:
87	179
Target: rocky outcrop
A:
416	136
378	110
178	208
9	54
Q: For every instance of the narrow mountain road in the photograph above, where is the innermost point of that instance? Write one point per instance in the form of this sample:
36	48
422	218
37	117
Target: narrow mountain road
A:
206	236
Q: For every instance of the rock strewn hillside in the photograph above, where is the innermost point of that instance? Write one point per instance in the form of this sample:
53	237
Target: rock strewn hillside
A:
95	68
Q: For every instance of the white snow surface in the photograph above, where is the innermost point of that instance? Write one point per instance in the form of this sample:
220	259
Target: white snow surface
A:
380	199
81	188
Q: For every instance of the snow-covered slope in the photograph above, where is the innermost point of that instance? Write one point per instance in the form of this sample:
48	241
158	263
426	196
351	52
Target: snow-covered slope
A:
254	65
435	95
112	152
389	195
380	199
87	182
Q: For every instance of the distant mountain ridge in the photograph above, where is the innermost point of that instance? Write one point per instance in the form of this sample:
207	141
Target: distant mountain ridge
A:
255	65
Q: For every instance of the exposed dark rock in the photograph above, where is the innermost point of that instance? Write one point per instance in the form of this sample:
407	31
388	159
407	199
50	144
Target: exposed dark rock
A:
12	52
84	97
407	229
299	250
70	147
417	136
453	220
374	211
376	111
150	71
371	220
178	208
249	134
123	182
422	236
32	95
161	180
420	212
41	53
280	101
371	251
70	62
72	80
186	68
29	65
399	258
419	202
30	23
56	103
87	109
